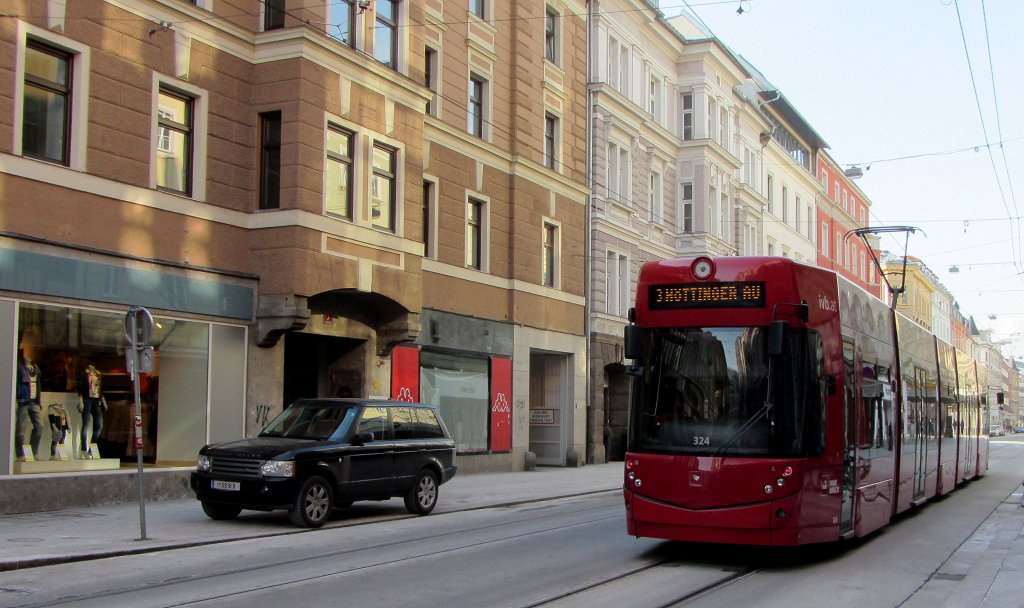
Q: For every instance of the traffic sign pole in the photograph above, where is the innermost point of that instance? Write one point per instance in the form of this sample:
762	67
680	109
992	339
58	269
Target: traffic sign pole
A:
138	332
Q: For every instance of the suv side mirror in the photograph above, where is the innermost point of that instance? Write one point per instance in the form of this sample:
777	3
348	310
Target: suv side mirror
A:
362	438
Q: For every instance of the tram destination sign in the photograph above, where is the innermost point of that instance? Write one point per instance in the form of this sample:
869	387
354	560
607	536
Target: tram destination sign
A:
735	294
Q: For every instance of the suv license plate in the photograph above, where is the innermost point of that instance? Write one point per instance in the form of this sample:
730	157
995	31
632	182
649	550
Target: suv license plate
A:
231	486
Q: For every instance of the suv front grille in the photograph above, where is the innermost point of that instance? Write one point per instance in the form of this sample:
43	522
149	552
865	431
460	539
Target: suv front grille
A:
247	468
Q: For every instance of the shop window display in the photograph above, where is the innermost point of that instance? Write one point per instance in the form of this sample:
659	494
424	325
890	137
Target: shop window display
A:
75	401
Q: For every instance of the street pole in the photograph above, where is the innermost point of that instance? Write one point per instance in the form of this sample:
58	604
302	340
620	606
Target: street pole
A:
134	337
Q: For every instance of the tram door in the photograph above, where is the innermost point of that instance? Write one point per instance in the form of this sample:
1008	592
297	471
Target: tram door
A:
850	401
919	428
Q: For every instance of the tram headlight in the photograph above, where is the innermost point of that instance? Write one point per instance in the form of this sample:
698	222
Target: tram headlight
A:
787	472
768	489
632	475
780	482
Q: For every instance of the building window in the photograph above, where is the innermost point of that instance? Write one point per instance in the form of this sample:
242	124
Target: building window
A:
184	349
477	106
796	215
655	197
723	127
475	234
383	188
687	188
785	205
724	218
550	141
712	211
687	112
47	104
712	117
339	178
839	248
270	160
618	66
810	224
551	35
385	33
617	280
618	173
341	19
430	76
770	193
846	202
549	260
273	14
174	143
824	180
824	239
429	205
460	388
478	8
654	98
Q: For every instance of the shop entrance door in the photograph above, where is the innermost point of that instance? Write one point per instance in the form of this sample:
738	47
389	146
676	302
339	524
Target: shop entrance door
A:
549	405
322	366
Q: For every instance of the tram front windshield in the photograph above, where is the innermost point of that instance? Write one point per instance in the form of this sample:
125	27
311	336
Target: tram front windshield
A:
716	392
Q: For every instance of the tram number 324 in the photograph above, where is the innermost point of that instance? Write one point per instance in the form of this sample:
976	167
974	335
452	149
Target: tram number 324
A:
701	440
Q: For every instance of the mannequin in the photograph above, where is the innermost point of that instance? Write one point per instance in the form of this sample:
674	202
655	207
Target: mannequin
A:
27	390
91	404
58	415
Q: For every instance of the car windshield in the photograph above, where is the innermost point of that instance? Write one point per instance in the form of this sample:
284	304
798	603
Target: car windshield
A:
716	392
312	420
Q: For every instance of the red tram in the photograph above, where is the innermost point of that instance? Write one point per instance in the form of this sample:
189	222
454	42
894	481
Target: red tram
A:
776	403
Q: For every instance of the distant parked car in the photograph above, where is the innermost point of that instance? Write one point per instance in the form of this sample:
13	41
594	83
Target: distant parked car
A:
324	453
1018	429
996	430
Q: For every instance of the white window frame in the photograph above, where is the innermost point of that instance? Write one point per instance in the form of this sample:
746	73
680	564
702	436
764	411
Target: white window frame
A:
617	280
686	116
485	91
553	18
686	221
552	141
485	223
200	133
655	197
555	255
78	111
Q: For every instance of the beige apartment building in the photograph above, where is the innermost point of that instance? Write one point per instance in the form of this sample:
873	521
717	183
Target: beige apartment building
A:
382	199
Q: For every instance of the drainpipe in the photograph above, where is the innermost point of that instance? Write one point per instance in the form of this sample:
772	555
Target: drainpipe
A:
587	237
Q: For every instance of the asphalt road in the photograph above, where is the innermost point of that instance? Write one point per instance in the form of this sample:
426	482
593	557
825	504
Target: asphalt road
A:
568	552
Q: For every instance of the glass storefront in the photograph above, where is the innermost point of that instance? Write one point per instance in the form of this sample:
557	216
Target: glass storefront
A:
459	387
74	397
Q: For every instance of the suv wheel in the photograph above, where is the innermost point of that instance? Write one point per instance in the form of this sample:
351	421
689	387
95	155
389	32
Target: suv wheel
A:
220	511
312	504
422	495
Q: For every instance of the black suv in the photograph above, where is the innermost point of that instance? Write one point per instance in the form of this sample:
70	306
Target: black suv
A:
324	453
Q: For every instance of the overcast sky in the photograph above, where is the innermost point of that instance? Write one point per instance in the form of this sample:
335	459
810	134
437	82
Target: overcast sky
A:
887	79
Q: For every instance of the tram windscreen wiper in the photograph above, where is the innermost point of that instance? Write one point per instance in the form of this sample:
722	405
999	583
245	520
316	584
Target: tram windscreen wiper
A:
765	411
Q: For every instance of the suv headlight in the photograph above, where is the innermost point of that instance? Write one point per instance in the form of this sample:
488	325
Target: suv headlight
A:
205	463
278	468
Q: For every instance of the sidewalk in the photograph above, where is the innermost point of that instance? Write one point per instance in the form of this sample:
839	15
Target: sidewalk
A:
74	534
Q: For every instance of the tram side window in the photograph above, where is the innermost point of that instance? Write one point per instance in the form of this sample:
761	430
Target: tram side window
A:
876	407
